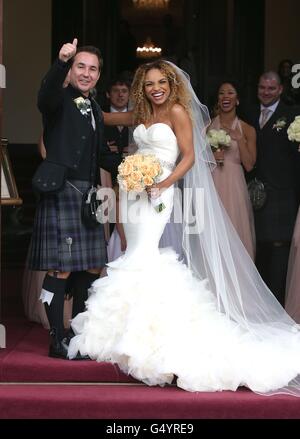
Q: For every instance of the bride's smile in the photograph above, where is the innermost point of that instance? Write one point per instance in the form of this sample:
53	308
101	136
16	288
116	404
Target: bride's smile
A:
157	88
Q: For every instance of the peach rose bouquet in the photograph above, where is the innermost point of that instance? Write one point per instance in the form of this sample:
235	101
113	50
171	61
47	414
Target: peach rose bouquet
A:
139	171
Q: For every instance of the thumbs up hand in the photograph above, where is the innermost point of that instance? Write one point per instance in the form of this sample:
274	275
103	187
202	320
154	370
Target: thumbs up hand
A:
68	50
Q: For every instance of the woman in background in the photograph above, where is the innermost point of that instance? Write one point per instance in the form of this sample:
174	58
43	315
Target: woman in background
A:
229	178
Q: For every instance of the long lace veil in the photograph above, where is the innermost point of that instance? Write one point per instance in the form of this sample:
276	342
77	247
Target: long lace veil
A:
215	252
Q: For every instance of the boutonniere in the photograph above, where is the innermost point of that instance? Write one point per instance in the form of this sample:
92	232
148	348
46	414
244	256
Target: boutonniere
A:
279	124
83	105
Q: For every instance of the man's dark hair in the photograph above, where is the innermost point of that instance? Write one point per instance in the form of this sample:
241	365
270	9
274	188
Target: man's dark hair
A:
93	50
118	81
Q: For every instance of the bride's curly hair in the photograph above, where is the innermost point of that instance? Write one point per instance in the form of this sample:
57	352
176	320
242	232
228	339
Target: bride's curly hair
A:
179	94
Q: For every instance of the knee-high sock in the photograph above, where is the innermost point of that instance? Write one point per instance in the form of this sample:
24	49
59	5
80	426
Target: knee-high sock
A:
55	311
80	284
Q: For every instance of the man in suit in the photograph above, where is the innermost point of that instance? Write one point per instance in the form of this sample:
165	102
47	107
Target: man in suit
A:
73	137
117	137
276	168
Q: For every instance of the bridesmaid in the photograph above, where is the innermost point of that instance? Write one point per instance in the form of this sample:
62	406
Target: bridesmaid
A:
229	179
292	295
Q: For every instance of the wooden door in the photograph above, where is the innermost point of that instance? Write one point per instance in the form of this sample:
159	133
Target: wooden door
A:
2	328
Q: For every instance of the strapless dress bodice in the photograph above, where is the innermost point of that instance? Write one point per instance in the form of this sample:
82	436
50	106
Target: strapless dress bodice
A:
158	139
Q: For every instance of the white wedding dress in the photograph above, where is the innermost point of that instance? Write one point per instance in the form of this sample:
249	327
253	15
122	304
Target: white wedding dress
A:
157	321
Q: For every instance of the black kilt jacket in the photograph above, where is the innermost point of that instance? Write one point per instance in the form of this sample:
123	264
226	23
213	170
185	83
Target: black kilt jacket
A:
66	129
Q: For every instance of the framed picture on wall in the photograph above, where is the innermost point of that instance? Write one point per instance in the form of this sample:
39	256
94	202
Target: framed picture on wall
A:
9	191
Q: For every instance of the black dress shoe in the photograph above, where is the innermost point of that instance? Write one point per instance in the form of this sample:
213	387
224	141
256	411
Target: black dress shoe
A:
69	334
59	348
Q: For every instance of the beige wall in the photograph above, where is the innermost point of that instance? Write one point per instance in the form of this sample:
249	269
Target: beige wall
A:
282	38
26	56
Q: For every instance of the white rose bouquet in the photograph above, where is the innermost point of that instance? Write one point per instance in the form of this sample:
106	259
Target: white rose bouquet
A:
139	171
218	140
294	130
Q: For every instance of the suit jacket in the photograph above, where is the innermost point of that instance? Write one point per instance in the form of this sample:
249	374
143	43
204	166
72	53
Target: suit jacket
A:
112	133
276	155
66	130
121	139
276	166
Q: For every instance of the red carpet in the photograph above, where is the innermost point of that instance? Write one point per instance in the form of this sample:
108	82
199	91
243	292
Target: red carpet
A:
138	402
25	360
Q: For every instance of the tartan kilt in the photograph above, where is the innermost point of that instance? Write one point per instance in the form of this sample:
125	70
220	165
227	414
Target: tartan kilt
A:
57	219
276	219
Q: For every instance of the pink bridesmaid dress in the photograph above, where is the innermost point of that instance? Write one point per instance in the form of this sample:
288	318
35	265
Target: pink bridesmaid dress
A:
231	186
292	297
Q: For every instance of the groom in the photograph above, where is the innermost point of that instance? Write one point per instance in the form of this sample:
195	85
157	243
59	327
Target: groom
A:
73	137
277	158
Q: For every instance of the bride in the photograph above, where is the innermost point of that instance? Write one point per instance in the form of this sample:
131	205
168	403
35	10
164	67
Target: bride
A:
210	324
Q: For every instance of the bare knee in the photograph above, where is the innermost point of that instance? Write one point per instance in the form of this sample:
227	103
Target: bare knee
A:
94	270
59	274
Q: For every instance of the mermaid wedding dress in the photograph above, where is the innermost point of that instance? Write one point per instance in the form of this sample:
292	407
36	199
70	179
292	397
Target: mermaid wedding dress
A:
159	322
